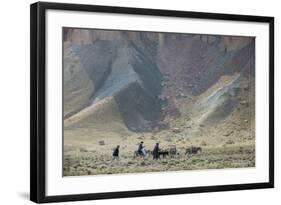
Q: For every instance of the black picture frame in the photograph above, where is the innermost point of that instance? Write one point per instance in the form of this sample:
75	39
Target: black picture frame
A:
38	101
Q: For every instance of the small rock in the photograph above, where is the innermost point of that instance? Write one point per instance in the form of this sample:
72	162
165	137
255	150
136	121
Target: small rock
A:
101	142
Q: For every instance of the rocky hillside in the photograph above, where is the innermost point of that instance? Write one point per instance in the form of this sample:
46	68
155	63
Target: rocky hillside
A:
144	81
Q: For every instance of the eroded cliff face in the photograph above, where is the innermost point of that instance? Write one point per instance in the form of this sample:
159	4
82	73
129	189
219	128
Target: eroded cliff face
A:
150	77
116	65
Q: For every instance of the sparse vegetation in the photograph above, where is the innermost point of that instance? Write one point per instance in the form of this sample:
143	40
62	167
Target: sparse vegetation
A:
85	163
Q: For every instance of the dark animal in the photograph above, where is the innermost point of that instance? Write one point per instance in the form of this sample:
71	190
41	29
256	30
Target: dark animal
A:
164	153
193	150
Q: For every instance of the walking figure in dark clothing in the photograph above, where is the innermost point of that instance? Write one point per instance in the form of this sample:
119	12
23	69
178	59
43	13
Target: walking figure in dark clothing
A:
115	154
155	151
141	149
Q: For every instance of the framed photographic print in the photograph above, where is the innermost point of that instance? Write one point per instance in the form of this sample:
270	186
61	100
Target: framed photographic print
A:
129	102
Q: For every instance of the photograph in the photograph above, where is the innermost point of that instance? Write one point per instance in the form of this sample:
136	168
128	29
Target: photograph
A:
149	101
140	102
135	102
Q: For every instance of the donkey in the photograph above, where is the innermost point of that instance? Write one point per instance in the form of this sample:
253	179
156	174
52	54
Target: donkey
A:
193	150
164	153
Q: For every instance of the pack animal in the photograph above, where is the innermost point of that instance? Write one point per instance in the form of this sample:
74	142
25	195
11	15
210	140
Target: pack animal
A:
193	150
164	153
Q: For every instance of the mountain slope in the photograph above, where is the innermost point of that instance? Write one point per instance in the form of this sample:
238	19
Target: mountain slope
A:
152	78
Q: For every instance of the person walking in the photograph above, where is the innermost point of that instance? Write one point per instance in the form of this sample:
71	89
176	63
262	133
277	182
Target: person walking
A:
115	154
155	151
